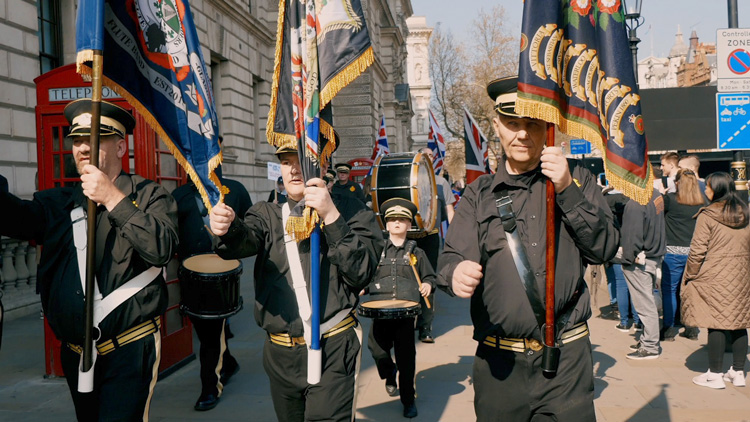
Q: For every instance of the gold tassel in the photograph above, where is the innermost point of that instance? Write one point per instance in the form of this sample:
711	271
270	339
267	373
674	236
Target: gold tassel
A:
550	113
299	228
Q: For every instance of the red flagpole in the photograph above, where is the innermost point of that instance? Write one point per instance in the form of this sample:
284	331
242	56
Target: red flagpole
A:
549	300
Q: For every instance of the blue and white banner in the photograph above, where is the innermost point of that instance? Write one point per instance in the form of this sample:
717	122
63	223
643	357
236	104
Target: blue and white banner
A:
153	58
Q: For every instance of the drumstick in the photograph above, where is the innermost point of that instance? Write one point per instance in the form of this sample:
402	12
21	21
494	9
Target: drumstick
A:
412	261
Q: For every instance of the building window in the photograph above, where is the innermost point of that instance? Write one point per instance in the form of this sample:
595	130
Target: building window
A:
49	34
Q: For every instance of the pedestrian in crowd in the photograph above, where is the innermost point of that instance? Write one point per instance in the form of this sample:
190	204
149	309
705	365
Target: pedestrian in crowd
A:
350	244
669	167
346	187
478	263
278	195
432	244
613	269
644	243
136	234
679	209
217	365
405	273
692	162
715	287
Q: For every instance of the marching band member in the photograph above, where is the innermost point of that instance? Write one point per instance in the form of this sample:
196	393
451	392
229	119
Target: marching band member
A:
351	242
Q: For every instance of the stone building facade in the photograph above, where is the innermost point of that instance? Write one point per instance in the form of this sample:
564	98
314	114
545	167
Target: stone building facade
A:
420	82
692	64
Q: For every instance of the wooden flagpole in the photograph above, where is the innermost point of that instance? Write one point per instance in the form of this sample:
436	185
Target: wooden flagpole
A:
549	300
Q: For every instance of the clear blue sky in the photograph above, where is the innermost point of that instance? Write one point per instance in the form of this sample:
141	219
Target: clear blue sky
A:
658	30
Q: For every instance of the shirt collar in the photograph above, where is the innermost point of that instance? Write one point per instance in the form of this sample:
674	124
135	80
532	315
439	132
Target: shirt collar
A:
503	180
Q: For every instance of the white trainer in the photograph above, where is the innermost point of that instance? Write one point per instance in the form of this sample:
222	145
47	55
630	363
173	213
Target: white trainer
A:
735	377
710	380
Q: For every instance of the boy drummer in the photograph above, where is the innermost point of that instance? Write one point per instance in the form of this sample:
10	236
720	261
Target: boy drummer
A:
405	273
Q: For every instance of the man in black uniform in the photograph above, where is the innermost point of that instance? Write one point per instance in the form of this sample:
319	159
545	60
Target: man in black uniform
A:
478	263
278	195
136	233
350	245
400	262
346	187
216	366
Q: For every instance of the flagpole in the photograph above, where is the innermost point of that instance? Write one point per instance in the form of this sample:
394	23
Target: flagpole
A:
552	352
88	358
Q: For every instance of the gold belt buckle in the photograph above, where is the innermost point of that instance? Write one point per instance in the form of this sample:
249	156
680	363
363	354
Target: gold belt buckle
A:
297	340
533	344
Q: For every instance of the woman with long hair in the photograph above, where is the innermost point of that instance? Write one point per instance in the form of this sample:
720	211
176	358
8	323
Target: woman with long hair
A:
679	209
716	284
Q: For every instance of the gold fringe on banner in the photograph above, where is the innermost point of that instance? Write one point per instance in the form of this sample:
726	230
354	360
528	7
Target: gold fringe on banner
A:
550	113
299	228
276	139
346	75
85	70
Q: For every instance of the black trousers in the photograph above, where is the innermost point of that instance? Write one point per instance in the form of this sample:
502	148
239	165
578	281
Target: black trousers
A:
214	353
431	246
509	386
123	381
396	334
332	399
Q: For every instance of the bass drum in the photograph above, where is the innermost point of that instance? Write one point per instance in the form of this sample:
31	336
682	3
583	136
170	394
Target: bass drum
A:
409	176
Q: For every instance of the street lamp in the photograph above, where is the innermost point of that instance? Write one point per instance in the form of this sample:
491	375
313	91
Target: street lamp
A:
634	20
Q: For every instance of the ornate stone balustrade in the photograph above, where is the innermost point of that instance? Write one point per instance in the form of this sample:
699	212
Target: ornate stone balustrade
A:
18	277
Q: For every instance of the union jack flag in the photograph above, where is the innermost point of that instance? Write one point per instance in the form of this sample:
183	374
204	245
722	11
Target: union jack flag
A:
477	162
436	144
381	145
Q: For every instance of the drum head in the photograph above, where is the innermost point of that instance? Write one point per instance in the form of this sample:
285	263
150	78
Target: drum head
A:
210	264
389	304
408	176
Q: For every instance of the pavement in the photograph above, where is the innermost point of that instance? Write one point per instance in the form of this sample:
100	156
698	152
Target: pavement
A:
625	390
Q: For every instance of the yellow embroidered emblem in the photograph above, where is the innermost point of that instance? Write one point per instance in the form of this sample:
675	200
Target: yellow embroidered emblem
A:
577	182
352	188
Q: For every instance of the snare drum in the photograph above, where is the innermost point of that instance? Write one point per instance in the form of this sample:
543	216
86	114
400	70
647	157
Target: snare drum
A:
210	286
408	176
389	309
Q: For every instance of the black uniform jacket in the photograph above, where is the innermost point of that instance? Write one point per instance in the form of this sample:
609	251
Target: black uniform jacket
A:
194	238
350	189
391	270
350	249
130	239
585	233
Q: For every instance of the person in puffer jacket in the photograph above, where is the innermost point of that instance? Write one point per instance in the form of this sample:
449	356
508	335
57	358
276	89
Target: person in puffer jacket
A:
715	286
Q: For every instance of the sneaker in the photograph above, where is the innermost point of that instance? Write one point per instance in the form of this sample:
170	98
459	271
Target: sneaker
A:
623	328
410	411
690	333
710	380
737	378
638	326
636	346
642	354
390	385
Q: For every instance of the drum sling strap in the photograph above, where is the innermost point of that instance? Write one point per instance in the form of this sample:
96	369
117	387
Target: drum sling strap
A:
504	203
103	306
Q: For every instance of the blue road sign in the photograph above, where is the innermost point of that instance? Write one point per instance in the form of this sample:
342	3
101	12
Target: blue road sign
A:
580	146
733	121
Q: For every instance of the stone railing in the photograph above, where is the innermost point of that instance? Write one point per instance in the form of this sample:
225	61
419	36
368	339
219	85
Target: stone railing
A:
18	263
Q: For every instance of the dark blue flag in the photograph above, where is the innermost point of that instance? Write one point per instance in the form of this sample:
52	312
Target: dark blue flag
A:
152	58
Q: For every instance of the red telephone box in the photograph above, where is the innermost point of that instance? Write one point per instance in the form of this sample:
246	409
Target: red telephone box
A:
360	169
147	156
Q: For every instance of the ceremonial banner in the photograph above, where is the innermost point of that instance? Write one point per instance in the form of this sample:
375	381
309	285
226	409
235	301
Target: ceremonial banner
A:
576	70
320	48
477	162
381	145
437	144
153	58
